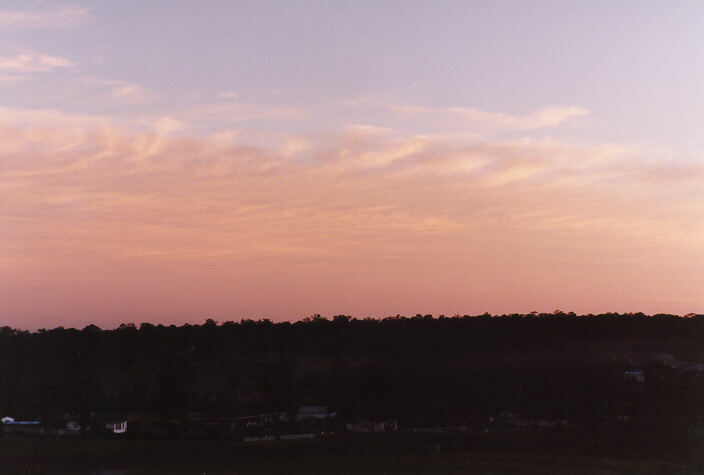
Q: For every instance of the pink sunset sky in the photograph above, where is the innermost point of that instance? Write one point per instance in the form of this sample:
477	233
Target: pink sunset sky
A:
175	161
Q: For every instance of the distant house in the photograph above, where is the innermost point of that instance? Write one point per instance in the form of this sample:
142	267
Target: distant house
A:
372	426
537	423
636	375
21	427
693	367
315	418
115	424
258	420
73	426
64	428
314	412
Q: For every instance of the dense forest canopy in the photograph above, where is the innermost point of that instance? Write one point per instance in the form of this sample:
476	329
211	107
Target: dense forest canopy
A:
418	370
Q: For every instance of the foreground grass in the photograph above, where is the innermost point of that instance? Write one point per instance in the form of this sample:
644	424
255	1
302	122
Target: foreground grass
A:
387	453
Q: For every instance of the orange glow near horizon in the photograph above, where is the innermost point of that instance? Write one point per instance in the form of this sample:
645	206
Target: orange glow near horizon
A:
106	225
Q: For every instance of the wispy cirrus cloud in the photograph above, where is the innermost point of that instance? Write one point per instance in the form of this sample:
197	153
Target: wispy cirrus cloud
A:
542	118
458	218
29	62
23	66
229	94
131	93
121	91
57	18
232	112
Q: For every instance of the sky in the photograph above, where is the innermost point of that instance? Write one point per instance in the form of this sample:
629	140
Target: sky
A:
172	161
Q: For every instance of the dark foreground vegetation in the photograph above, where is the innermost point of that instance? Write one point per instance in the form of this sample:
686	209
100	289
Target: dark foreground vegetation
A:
605	389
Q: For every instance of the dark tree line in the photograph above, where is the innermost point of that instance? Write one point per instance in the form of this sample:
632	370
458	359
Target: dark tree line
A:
419	370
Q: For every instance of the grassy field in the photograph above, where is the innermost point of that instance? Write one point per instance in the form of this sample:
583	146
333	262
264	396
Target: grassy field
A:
393	453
